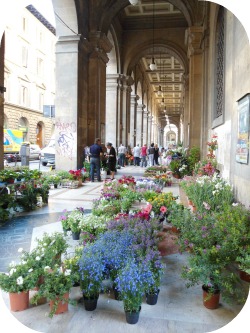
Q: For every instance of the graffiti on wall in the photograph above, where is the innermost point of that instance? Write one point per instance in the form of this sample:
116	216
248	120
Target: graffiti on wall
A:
66	139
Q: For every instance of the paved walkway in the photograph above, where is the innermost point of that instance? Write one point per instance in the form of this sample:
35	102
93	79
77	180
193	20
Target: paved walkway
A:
179	310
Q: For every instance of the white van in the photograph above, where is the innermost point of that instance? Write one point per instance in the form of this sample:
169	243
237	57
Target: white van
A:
48	153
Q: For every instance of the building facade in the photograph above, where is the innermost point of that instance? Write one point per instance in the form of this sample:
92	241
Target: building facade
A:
29	76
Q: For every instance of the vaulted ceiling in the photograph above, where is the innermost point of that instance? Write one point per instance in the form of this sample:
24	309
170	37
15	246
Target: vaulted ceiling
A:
167	79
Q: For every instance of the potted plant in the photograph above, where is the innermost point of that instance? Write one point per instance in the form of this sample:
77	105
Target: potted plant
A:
17	282
91	267
56	288
132	282
53	246
216	240
72	263
74	220
153	262
64	221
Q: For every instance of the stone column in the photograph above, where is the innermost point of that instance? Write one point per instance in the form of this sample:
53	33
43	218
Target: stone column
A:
97	85
150	125
145	127
194	36
186	115
139	123
66	122
112	125
124	109
133	127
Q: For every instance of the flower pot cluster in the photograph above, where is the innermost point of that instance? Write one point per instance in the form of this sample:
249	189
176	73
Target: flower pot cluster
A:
22	192
126	253
217	237
39	270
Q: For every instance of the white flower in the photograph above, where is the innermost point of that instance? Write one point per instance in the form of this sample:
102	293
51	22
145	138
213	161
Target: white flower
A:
19	280
12	264
20	249
235	204
30	270
46	268
23	262
13	270
67	272
38	258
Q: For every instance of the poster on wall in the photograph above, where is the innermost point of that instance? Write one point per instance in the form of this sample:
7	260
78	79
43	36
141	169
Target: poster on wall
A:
242	149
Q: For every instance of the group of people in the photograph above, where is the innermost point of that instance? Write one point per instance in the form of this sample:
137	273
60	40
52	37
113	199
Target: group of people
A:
95	154
142	156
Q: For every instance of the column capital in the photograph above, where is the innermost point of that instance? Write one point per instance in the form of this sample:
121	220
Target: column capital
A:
99	40
68	44
193	39
100	45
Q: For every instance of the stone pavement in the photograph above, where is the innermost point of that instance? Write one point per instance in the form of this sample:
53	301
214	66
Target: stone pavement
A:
178	310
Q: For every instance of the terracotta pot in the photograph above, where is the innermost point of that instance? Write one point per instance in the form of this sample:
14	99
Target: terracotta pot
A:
211	299
244	276
175	230
39	282
62	305
19	301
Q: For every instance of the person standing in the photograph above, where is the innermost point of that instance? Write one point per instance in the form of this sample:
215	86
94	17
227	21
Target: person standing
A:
111	155
156	154
144	155
95	152
137	152
151	152
121	155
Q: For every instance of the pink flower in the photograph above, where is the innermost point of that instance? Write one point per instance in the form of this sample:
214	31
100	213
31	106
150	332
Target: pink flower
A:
206	205
163	209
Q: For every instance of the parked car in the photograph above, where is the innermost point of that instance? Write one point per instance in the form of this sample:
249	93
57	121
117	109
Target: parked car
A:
12	157
48	153
35	152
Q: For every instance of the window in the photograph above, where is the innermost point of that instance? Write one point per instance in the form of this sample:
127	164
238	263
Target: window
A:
24	24
41	101
219	69
39	66
24	96
24	56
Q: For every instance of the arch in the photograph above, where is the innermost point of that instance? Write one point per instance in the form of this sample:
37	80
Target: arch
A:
114	63
65	17
23	125
159	46
112	8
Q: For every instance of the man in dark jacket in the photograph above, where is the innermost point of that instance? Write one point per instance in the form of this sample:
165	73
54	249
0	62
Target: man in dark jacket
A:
95	163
